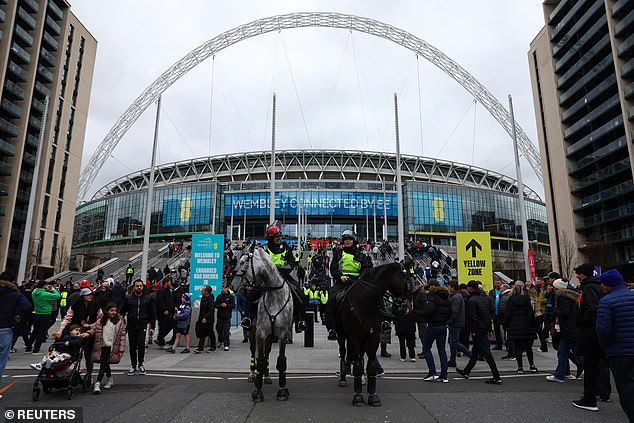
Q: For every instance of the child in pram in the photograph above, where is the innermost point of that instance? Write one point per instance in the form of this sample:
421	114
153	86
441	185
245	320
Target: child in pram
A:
64	351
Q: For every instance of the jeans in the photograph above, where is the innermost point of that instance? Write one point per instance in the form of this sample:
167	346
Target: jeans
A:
482	347
410	340
40	326
104	365
6	336
623	372
498	332
136	338
439	335
562	358
454	344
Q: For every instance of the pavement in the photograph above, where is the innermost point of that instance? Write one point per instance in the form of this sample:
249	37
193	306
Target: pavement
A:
320	359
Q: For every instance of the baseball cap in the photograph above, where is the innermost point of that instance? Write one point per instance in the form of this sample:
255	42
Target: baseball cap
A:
585	269
553	275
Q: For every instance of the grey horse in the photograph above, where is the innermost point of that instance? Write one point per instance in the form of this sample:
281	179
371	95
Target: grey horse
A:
274	317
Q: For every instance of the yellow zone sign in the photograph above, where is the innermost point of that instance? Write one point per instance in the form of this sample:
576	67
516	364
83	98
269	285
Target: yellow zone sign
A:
474	258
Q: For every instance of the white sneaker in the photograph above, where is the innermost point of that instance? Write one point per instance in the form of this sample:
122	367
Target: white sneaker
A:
402	359
552	378
226	348
413	360
97	388
109	383
36	366
132	371
431	378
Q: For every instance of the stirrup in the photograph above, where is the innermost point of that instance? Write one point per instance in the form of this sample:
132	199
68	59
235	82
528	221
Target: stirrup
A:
332	335
246	323
385	326
300	326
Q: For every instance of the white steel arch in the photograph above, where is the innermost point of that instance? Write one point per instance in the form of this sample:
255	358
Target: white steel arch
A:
303	20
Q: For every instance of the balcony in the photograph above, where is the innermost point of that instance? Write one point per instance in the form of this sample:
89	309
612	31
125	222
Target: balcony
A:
35	123
29	158
14	89
579	24
26	177
628	69
628	92
53	26
40	88
558	13
582	123
19	216
626	48
566	21
37	105
11	109
4	189
626	26
2	210
26	18
18	71
586	101
32	4
5	169
606	172
599	28
616	191
23	35
57	12
48	57
52	42
614	124
8	128
20	53
6	148
23	197
621	7
3	15
46	74
32	141
624	212
607	64
594	52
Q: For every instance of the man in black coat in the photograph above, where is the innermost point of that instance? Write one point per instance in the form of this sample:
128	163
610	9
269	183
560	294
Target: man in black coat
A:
420	299
205	322
140	312
479	311
588	340
13	307
164	311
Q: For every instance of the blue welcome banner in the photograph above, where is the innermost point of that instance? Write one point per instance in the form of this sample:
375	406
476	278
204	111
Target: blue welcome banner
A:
206	263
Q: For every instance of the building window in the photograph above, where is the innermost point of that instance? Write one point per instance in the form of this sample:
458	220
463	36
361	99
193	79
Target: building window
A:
44	211
51	168
58	215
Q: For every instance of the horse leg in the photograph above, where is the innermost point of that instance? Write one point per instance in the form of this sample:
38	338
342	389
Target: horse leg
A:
260	363
267	378
373	345
282	393
342	362
251	377
357	372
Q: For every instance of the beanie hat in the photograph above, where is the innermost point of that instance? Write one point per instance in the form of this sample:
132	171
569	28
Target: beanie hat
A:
84	284
585	269
157	286
553	275
84	292
612	278
559	284
187	296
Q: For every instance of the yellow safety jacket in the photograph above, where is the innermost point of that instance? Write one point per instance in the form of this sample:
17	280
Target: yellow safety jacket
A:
62	302
278	259
349	266
313	296
323	296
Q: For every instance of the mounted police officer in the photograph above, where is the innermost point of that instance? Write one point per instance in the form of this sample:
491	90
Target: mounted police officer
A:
348	264
284	260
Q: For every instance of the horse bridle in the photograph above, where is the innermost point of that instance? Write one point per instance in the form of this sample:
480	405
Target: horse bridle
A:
252	284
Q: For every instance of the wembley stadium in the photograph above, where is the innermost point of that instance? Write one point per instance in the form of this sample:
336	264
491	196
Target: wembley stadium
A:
324	190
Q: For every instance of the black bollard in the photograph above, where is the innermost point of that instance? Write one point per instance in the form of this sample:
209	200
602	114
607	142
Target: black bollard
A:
309	333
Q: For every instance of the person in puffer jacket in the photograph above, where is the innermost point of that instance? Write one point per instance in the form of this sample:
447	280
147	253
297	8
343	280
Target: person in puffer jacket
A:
436	313
615	329
183	319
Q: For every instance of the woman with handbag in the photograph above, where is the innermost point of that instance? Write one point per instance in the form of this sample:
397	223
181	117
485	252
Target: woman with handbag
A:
519	325
109	334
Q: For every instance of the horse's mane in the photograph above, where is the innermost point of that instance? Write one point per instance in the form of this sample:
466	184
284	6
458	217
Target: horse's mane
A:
271	270
370	274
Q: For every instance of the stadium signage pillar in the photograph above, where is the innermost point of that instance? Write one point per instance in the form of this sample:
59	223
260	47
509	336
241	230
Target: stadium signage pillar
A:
520	193
150	194
399	186
26	240
272	205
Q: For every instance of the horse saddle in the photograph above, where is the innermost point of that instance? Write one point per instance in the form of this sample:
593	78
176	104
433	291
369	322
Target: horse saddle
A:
339	298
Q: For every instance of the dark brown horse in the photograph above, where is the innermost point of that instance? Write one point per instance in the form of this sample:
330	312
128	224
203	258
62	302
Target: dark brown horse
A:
359	324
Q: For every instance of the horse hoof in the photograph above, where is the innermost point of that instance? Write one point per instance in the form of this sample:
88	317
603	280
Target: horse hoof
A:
373	400
251	378
343	384
358	400
257	396
282	394
267	380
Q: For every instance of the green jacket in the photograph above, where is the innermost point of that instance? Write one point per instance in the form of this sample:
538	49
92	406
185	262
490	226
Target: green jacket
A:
42	300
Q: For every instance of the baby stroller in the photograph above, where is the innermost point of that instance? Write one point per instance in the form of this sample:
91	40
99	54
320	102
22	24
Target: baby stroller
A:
61	375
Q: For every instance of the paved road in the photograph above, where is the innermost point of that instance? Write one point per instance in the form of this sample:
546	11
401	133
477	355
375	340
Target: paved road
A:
209	397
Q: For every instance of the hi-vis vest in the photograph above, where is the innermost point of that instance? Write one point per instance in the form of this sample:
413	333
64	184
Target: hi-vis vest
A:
129	271
278	259
349	266
323	296
313	296
62	302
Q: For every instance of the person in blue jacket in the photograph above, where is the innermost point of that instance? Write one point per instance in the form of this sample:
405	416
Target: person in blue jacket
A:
615	329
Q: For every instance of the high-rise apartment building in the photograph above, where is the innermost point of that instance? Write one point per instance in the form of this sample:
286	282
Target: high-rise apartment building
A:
45	52
582	74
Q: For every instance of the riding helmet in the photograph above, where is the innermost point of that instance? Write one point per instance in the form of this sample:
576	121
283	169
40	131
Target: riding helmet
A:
274	229
349	233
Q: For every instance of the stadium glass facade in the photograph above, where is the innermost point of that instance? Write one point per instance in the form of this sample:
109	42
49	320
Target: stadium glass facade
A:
240	209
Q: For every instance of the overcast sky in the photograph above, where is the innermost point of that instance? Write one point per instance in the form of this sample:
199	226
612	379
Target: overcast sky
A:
334	87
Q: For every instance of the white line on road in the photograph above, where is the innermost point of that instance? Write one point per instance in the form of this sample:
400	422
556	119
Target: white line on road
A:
186	376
